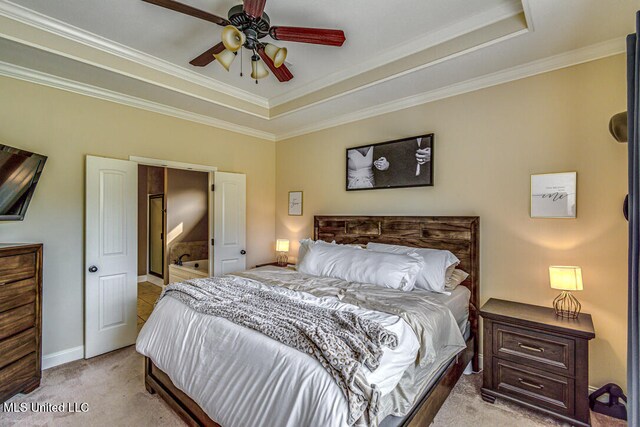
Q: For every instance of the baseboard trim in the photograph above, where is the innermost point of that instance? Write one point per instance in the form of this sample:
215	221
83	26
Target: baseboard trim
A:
62	357
155	280
142	278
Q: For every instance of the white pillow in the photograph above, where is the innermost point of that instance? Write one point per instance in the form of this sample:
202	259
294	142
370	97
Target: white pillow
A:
306	243
458	276
437	265
396	271
303	249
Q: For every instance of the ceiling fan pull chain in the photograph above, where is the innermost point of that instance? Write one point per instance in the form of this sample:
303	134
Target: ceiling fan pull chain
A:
240	62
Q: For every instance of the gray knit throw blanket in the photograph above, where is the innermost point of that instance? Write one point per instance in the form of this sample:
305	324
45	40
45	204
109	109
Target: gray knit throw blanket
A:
340	340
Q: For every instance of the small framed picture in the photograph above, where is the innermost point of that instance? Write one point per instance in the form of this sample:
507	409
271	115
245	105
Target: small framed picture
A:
554	195
295	203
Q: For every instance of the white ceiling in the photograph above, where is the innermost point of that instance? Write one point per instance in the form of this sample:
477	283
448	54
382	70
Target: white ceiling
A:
556	34
371	27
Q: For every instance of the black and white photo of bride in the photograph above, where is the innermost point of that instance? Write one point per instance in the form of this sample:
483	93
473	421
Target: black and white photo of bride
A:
394	164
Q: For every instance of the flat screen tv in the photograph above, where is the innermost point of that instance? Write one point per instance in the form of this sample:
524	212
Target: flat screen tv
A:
19	174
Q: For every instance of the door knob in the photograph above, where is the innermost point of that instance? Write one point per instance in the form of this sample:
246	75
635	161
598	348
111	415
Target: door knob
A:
243	252
93	269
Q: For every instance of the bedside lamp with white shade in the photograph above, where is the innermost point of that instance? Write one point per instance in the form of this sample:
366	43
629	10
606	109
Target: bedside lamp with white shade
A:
566	279
282	249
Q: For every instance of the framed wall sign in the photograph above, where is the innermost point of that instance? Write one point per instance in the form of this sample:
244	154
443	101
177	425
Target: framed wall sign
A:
402	163
554	195
295	203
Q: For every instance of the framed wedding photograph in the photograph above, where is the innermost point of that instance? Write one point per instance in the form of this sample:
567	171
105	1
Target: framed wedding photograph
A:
401	163
554	195
295	203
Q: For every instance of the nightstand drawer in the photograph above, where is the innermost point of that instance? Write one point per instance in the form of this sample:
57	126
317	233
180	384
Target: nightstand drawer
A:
541	350
539	388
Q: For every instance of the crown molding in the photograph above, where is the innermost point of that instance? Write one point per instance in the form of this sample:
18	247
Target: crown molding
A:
21	73
526	9
35	19
435	62
567	59
396	53
563	60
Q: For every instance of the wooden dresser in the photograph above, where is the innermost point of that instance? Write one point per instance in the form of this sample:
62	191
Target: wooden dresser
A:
537	359
20	318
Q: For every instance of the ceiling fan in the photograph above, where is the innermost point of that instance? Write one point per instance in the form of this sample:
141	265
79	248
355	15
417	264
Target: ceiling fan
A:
246	25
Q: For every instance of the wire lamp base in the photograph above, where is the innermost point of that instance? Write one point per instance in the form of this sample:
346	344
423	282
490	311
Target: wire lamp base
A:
566	305
282	259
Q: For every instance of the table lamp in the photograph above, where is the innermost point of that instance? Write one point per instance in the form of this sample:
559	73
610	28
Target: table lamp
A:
566	279
282	248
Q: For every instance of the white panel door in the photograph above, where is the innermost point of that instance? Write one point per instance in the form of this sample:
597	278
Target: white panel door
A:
230	223
111	251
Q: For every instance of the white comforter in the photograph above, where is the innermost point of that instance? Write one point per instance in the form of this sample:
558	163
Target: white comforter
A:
240	377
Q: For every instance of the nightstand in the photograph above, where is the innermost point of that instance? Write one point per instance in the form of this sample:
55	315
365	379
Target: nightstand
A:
537	359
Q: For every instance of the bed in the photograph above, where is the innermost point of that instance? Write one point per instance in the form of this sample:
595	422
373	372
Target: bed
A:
460	235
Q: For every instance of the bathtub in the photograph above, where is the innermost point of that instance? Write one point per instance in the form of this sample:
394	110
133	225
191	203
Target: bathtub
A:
188	270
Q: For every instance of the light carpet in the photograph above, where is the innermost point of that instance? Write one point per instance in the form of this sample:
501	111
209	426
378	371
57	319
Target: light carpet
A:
113	387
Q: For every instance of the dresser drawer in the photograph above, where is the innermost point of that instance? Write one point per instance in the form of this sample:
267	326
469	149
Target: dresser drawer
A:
539	388
18	373
541	350
17	267
17	320
18	293
17	346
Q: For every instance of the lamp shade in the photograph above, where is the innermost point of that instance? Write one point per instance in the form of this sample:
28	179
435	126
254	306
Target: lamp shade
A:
282	245
232	38
225	58
277	54
258	69
565	278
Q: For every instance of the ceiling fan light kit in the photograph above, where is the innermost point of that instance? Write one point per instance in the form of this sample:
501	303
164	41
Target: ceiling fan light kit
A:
277	54
225	58
232	38
258	70
246	26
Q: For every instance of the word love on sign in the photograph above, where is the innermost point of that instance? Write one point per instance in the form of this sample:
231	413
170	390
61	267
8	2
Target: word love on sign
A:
553	195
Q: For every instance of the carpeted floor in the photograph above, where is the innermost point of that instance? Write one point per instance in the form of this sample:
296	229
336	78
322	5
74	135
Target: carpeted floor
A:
113	387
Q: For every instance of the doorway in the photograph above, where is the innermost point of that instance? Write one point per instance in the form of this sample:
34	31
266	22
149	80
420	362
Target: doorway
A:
119	253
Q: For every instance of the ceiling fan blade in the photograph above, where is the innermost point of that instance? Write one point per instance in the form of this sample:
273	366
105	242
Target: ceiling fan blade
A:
308	35
282	73
207	57
254	8
188	10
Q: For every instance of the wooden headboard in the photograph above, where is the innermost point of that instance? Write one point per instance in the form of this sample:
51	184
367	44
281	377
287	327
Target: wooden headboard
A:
458	234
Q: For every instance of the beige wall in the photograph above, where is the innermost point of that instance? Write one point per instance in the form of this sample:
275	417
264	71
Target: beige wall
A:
187	205
66	127
487	145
